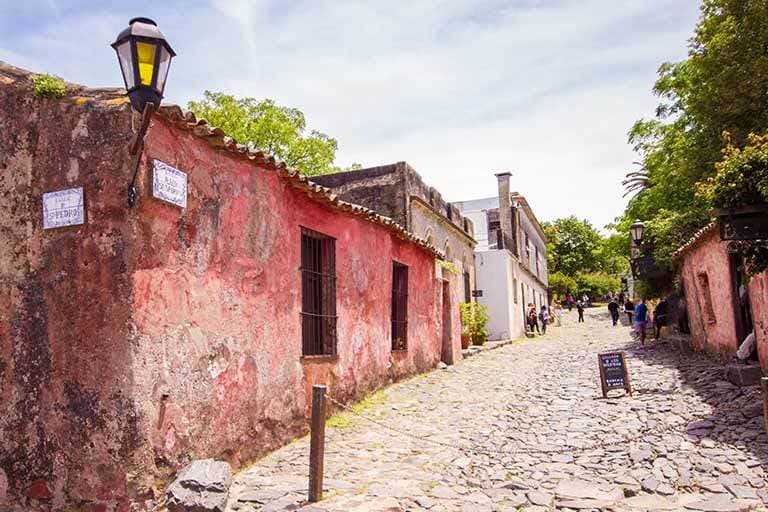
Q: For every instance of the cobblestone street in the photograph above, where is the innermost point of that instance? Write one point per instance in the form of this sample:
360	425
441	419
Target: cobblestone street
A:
525	427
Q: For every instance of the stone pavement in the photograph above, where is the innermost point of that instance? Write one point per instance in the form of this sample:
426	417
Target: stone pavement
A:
686	440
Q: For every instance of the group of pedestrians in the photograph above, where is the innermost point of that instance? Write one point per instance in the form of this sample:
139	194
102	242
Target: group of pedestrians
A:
534	317
638	316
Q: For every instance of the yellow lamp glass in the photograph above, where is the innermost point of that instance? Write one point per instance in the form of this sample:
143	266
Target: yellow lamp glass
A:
146	54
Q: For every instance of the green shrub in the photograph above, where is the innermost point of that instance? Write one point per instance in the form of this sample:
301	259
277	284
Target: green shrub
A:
597	283
742	175
742	180
48	86
474	318
561	284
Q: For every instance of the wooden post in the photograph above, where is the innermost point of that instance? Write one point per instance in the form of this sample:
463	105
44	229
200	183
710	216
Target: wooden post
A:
602	376
317	443
626	373
764	384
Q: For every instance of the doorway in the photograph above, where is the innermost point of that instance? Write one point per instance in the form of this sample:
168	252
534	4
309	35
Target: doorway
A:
741	307
446	352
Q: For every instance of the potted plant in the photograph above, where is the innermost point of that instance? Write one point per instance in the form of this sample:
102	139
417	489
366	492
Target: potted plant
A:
474	318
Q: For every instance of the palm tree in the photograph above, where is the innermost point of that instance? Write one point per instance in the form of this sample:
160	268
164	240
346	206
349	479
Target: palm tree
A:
636	181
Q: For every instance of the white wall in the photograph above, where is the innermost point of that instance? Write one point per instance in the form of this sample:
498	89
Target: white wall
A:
497	274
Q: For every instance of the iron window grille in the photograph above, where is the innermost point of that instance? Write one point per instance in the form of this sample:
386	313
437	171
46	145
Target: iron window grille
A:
399	306
318	293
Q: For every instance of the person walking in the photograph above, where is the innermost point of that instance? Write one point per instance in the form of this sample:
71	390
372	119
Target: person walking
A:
641	317
613	307
629	309
660	315
533	321
544	317
580	309
569	300
559	313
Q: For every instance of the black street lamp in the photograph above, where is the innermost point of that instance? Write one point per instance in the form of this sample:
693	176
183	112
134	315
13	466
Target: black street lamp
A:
145	59
636	230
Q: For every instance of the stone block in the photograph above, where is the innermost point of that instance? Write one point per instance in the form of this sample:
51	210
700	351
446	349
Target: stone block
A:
743	374
202	486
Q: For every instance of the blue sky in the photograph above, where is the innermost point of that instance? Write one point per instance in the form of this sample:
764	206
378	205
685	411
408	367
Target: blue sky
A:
459	89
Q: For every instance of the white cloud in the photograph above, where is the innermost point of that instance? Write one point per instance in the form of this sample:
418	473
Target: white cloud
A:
460	89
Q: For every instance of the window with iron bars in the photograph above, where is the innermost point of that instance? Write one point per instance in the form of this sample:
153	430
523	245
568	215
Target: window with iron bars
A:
399	306
318	293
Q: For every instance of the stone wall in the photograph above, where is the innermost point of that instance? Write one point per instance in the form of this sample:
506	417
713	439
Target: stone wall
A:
150	336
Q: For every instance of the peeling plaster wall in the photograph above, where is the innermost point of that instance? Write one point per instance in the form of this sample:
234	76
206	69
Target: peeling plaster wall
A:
758	298
154	335
217	306
710	257
68	427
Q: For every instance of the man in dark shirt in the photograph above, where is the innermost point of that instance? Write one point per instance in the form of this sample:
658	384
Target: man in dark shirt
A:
629	309
660	315
614	309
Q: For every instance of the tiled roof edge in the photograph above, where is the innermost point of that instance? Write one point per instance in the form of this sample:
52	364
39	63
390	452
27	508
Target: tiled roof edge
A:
216	138
694	240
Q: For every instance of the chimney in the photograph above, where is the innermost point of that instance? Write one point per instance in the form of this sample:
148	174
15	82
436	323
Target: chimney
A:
505	209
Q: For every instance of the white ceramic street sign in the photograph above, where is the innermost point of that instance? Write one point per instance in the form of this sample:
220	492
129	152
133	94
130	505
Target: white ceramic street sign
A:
63	208
169	184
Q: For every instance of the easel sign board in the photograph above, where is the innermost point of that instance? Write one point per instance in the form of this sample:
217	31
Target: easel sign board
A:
613	372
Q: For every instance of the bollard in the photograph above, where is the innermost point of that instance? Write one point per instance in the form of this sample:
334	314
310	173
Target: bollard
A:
317	444
764	385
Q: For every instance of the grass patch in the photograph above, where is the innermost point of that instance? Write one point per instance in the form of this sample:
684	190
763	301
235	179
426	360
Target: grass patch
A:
345	419
48	86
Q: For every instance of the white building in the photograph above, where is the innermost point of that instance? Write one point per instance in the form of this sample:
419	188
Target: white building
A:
510	258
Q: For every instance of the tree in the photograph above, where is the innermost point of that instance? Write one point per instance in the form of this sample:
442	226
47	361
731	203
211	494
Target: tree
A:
581	260
597	283
271	128
561	284
572	245
721	86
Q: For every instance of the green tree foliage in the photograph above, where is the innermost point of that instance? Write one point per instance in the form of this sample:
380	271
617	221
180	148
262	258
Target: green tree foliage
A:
561	284
595	284
572	245
721	86
581	260
742	180
271	128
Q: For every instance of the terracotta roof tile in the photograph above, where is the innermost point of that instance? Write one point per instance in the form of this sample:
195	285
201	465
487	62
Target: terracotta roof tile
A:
695	239
216	137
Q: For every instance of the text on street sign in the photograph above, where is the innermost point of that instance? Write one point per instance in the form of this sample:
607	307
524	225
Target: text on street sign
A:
63	208
169	184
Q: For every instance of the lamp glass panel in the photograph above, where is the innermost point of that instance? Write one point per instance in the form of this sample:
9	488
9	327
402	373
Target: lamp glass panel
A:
162	70
126	63
146	54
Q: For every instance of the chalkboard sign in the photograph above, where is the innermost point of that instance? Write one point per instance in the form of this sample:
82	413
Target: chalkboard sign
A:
613	372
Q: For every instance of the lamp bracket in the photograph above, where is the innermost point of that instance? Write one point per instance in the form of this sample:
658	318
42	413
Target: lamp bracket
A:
136	149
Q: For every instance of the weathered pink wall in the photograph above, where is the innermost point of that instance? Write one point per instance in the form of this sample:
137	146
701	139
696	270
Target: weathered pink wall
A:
151	336
217	301
758	298
710	255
